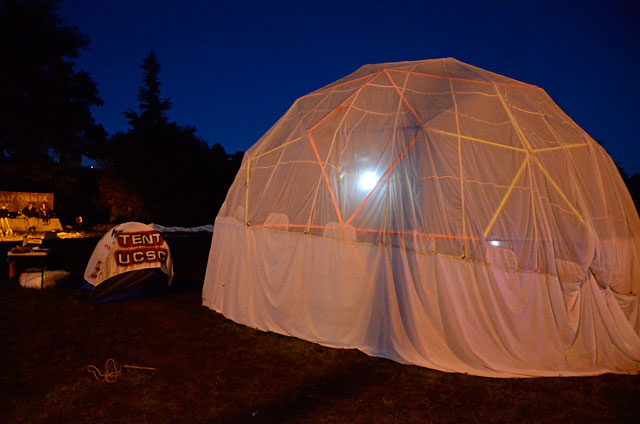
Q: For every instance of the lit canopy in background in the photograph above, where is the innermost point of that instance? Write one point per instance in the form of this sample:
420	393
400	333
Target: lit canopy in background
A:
438	214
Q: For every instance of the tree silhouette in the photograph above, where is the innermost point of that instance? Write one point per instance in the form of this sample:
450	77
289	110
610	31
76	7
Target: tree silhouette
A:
633	184
159	170
46	123
153	109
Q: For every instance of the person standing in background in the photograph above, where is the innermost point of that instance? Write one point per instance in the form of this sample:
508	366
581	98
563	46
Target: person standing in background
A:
5	228
44	212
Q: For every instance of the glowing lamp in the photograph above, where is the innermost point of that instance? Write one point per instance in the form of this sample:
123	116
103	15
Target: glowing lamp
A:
368	180
494	243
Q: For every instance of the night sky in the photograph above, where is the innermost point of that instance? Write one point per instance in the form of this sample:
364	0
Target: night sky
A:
232	68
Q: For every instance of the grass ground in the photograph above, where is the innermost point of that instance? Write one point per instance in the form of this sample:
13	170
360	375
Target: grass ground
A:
209	369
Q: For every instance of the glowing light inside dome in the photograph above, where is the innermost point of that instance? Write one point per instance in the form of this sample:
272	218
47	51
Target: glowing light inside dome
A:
494	243
368	180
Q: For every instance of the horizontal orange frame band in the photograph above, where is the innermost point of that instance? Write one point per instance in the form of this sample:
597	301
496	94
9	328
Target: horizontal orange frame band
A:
366	230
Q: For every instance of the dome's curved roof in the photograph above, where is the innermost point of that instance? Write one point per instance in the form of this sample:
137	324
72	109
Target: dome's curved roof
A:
461	158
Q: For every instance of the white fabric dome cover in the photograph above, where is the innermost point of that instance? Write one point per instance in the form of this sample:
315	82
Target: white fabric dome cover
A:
436	214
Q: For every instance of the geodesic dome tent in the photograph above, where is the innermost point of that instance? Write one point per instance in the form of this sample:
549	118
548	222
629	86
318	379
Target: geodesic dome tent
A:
437	214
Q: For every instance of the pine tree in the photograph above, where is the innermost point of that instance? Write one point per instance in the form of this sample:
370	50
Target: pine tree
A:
153	108
156	170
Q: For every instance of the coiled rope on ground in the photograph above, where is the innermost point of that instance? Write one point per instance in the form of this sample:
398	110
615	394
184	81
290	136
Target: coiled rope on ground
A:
112	370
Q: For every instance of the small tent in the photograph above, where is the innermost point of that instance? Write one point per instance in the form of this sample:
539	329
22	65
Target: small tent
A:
438	214
131	259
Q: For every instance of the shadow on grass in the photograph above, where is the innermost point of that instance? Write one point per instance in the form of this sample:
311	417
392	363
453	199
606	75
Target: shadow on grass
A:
304	399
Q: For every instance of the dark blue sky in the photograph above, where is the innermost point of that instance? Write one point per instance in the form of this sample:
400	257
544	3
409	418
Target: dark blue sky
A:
232	68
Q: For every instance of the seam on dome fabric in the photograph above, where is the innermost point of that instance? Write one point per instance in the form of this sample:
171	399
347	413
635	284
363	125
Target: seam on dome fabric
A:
285	162
473	139
435	94
484	121
556	205
323	90
566	146
370	112
616	218
481	93
282	146
482	81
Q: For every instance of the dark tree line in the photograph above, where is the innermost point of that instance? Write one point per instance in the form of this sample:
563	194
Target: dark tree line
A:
46	124
168	173
157	170
633	184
